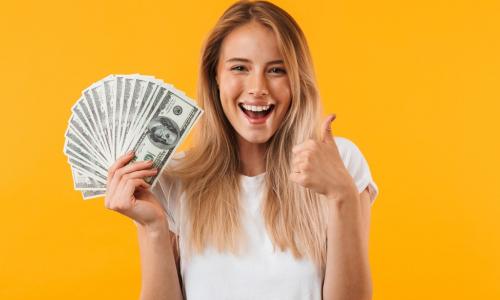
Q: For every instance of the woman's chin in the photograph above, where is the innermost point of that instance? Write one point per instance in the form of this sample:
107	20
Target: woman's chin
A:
255	138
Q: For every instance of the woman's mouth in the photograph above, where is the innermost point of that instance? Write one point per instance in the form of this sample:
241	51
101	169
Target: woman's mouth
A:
256	114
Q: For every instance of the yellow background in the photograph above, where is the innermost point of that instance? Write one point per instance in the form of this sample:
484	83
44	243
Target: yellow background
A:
415	84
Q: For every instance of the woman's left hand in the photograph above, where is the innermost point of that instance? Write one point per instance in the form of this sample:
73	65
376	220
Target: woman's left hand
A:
317	165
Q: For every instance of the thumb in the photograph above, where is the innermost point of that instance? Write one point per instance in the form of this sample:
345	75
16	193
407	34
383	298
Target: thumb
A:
326	132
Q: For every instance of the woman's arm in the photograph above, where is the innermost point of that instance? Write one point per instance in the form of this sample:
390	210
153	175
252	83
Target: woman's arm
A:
128	193
347	275
158	267
319	166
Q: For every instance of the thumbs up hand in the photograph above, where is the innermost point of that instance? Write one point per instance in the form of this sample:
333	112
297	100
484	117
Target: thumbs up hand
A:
317	165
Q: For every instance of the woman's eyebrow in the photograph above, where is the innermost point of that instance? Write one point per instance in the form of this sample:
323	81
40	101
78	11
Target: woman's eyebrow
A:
239	59
275	62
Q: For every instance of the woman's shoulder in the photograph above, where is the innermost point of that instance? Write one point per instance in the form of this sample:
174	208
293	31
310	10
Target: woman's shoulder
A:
345	146
349	151
357	165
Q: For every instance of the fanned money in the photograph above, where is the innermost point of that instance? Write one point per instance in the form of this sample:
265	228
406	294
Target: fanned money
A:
121	113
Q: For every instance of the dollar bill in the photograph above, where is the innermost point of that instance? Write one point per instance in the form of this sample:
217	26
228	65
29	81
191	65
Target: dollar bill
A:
73	150
149	92
139	88
82	110
83	182
76	134
164	130
91	194
97	116
125	98
120	113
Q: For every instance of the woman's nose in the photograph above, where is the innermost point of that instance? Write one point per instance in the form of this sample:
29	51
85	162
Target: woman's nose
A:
258	86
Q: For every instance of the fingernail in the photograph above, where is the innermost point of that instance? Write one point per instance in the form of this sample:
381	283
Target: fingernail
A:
130	152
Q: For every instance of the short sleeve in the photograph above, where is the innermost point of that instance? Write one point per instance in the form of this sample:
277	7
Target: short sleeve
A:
356	164
169	191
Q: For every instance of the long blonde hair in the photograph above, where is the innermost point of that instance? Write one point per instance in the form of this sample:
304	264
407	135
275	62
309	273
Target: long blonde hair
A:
295	217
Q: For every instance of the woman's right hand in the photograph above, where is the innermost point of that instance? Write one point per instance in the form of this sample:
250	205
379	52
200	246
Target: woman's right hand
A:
128	193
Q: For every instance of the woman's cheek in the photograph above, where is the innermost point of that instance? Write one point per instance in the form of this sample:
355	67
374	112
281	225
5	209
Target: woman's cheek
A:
281	89
233	86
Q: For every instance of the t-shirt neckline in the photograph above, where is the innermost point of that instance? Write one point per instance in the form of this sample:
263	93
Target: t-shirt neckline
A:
258	176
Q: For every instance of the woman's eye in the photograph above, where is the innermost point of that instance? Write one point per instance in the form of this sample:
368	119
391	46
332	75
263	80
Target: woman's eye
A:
238	68
277	70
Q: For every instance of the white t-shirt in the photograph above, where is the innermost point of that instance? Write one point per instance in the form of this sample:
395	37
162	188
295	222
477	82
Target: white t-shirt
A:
261	273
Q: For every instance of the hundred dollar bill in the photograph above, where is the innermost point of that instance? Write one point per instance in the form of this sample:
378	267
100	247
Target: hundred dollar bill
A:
97	114
82	181
77	162
117	113
80	109
90	194
139	87
73	150
120	113
78	136
109	96
128	82
165	129
85	172
149	92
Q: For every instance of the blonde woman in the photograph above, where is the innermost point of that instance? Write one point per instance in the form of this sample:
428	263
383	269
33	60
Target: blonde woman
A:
267	204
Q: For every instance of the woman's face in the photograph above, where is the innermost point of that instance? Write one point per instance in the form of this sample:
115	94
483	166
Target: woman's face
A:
253	83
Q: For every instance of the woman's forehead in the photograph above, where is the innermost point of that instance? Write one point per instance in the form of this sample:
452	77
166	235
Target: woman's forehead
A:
253	42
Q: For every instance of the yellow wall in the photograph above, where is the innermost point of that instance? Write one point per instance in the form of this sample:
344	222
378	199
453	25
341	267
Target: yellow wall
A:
415	84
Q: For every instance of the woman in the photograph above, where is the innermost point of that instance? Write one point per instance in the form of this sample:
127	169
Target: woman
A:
267	204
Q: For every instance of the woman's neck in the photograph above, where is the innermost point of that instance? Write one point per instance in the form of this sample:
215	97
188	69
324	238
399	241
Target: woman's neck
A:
252	157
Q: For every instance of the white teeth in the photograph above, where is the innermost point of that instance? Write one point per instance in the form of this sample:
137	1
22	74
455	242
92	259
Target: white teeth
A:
256	108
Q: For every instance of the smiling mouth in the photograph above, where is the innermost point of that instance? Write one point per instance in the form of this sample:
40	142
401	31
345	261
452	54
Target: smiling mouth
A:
257	114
